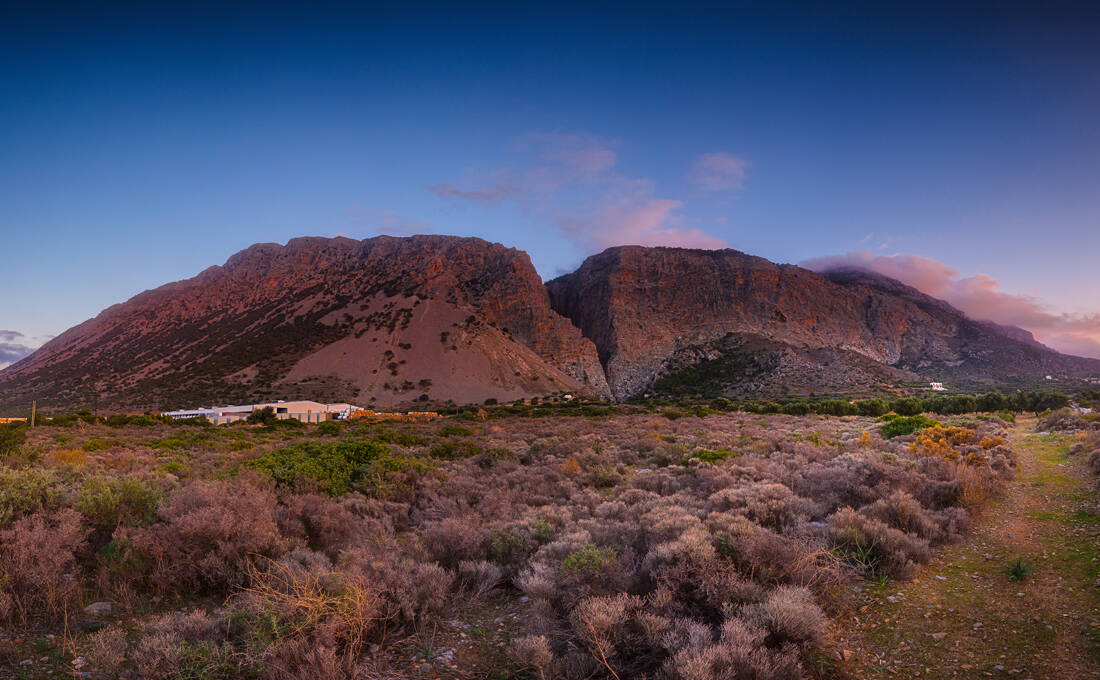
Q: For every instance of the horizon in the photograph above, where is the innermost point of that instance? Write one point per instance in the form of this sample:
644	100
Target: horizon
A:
952	149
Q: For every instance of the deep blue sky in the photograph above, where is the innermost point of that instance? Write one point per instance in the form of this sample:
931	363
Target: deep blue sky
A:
142	145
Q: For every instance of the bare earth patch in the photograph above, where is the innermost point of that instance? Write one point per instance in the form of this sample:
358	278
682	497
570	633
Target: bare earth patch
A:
964	617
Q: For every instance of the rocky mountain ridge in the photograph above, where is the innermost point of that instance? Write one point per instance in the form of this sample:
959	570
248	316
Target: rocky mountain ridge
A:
430	319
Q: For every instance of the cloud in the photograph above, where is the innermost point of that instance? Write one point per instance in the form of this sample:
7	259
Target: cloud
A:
979	297
635	218
385	221
570	181
12	348
718	172
490	195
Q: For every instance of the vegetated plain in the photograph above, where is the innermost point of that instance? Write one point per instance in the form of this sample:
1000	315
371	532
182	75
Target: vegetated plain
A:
618	542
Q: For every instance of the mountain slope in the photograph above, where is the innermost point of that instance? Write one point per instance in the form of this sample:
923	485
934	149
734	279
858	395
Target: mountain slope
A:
654	312
393	321
381	321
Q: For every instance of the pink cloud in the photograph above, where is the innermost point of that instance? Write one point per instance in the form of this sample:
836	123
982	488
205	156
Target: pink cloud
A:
718	172
569	180
638	221
979	297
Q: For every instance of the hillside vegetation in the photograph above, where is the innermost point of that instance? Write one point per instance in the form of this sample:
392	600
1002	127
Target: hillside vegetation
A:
602	545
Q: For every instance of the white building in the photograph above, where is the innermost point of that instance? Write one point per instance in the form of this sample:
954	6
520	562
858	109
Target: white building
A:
936	387
305	411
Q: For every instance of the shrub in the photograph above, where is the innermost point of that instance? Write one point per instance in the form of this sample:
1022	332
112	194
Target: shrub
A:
479	577
455	431
768	504
24	490
206	534
789	615
97	444
12	437
455	450
907	406
335	467
871	545
1061	420
899	427
264	416
109	501
713	456
872	407
588	560
38	560
105	650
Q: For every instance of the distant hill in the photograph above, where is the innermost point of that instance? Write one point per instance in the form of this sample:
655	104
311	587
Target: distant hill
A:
401	321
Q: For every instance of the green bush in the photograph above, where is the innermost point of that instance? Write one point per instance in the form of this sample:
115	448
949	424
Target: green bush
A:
264	416
12	437
455	431
872	407
455	450
335	467
898	427
329	428
587	560
907	406
97	445
108	502
135	421
22	491
713	456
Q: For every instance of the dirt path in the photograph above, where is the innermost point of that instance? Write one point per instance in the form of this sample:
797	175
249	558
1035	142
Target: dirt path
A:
963	617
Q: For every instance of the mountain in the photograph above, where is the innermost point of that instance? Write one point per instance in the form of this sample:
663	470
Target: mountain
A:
674	317
398	321
380	322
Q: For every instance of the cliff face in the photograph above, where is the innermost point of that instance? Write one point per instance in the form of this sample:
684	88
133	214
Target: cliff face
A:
382	321
649	310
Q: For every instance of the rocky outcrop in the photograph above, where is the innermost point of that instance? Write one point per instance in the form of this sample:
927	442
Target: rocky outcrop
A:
648	308
408	317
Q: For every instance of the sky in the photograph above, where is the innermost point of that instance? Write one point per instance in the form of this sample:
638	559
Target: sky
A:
955	147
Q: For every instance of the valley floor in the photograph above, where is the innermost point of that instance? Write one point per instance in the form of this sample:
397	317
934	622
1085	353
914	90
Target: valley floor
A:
963	617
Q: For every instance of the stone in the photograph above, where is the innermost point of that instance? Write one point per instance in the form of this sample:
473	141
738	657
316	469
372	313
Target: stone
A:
98	609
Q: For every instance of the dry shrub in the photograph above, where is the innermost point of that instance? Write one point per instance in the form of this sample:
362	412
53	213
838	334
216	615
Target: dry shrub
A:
39	574
454	540
789	615
902	512
105	651
533	652
942	442
175	644
321	523
70	457
874	546
1061	420
480	578
206	534
991	442
739	652
770	559
412	592
331	610
771	505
